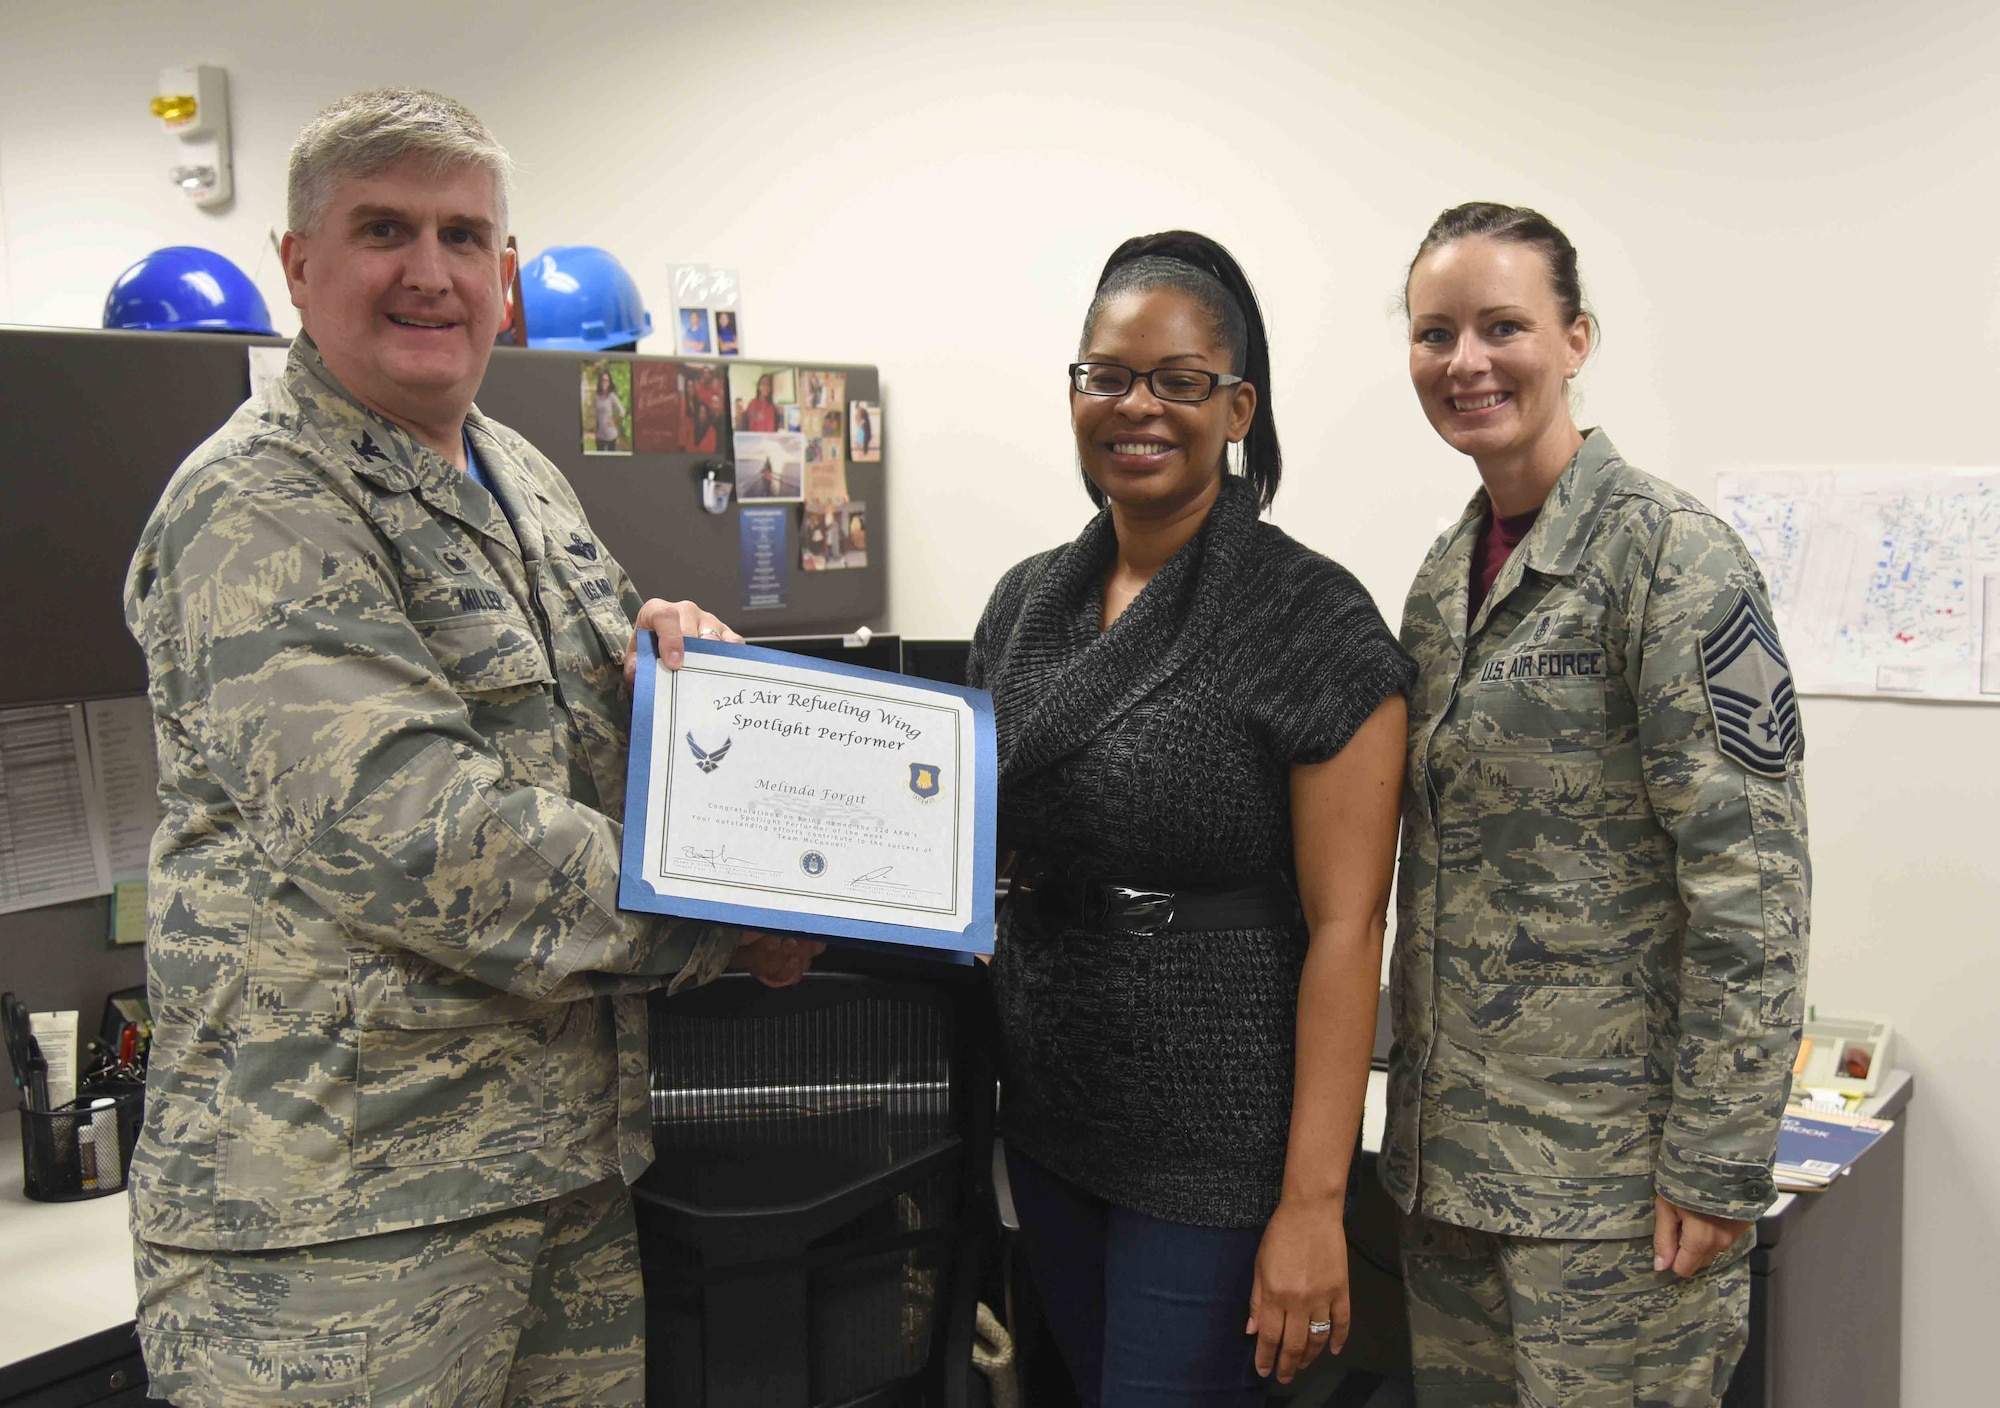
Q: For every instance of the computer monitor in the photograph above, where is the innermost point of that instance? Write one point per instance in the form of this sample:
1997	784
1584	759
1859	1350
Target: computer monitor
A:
939	660
876	653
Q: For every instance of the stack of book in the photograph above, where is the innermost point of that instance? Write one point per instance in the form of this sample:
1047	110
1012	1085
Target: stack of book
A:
1816	1148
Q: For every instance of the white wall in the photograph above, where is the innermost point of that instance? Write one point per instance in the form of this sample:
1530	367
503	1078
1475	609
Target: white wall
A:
1787	215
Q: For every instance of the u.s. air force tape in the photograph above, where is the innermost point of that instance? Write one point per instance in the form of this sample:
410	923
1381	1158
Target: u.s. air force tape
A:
1555	660
1750	690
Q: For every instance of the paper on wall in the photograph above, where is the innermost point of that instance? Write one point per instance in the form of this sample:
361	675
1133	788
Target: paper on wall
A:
126	772
52	845
1884	581
128	912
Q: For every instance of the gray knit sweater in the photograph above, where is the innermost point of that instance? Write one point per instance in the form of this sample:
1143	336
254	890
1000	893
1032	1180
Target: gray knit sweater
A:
1156	1072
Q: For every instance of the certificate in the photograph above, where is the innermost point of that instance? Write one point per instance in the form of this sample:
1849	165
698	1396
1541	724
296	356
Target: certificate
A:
779	792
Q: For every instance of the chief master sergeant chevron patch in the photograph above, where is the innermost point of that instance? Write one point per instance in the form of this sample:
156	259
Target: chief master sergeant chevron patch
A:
1750	690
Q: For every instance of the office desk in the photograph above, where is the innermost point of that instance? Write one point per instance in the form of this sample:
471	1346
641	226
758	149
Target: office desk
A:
1825	1298
67	1299
1826	1284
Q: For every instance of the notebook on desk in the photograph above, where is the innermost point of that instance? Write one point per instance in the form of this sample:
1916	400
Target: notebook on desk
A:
1814	1149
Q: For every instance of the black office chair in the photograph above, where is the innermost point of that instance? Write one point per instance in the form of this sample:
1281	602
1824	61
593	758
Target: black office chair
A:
820	1206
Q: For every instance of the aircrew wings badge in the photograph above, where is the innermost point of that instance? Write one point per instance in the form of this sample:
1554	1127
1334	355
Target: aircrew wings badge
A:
1750	691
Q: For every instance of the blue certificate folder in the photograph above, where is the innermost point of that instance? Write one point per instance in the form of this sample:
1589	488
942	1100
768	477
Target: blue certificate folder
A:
635	893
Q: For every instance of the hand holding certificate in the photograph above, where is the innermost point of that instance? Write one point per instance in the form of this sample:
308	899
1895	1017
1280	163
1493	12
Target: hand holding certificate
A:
779	792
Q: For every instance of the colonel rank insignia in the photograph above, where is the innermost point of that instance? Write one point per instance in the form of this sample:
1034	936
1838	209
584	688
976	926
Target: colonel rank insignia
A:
924	780
1750	690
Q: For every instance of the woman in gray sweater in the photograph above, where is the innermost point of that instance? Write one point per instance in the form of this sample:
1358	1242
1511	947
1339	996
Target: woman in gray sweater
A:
1201	743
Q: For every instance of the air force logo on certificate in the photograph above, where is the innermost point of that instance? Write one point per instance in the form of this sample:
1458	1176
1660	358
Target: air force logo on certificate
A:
708	759
855	804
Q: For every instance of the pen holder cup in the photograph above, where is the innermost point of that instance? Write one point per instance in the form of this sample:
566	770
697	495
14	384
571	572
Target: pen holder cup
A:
82	1149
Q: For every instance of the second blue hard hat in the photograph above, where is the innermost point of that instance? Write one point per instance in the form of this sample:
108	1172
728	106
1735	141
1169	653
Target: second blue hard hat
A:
184	288
580	299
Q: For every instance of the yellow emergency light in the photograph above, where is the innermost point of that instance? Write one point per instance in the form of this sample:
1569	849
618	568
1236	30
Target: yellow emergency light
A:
192	106
174	108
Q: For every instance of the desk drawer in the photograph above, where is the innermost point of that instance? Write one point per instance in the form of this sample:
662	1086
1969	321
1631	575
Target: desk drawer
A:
104	1370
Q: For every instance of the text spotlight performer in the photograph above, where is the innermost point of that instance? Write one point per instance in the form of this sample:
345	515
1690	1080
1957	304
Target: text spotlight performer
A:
1602	907
1201	731
399	1062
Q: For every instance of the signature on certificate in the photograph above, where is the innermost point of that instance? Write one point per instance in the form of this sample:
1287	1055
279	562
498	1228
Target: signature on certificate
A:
714	858
882	883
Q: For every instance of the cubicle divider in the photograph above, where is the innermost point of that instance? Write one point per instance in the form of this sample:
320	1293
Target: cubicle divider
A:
646	504
97	422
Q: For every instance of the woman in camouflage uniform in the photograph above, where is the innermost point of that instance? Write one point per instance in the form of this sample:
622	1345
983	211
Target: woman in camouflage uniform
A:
1602	901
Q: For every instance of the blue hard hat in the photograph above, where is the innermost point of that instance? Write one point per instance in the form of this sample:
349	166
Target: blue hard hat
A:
580	299
185	288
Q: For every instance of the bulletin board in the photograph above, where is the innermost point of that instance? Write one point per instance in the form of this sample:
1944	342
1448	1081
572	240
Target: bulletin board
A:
646	504
97	422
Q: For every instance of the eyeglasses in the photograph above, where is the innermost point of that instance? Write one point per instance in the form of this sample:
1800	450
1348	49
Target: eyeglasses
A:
1183	384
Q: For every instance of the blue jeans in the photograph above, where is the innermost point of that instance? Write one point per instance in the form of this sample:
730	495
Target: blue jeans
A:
1148	1314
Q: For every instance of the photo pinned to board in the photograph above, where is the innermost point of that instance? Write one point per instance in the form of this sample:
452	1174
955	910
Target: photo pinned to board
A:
864	431
822	391
691	331
759	396
704	408
689	283
763	576
826	458
770	467
657	408
822	420
826	427
725	300
834	537
607	407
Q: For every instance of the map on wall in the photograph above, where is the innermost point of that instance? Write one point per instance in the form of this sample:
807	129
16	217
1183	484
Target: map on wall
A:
1886	582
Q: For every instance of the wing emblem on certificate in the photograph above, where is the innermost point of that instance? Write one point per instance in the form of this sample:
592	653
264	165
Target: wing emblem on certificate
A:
708	760
781	792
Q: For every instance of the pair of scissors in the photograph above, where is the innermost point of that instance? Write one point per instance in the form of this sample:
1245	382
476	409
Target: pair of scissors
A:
31	1069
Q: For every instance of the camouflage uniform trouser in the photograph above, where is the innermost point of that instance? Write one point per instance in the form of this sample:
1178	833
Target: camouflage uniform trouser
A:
1498	1321
535	1305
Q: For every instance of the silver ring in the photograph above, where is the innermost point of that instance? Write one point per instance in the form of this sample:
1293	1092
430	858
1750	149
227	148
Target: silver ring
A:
1319	1327
709	633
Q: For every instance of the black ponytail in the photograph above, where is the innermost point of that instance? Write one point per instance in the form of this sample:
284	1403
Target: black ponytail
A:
1203	269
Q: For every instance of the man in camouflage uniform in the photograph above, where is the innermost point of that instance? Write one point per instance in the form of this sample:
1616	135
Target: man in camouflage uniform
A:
1599	960
398	1078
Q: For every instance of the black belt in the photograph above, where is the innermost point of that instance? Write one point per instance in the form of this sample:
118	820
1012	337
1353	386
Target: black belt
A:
1120	907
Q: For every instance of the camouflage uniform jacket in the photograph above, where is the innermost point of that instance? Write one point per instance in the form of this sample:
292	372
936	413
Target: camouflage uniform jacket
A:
1602	895
390	982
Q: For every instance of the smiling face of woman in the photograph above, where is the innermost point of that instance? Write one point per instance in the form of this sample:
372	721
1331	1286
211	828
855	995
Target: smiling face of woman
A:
1491	351
1145	454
